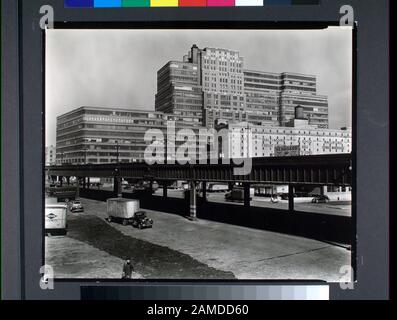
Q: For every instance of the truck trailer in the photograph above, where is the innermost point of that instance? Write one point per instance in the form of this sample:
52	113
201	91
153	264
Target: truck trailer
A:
122	210
55	219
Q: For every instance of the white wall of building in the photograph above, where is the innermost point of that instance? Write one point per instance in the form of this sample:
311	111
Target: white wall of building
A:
246	140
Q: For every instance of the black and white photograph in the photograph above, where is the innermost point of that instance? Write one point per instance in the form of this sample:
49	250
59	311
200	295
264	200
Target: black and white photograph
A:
199	154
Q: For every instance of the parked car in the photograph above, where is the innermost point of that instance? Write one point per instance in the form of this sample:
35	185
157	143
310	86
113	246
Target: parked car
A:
76	206
320	199
141	221
285	196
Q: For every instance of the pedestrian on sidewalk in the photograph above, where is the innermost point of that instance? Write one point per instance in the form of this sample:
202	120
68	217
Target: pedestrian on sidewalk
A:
127	270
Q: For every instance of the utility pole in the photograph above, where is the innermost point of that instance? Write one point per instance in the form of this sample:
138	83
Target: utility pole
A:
117	154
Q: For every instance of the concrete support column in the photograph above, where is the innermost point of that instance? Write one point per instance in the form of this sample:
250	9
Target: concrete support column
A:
231	184
165	189
68	180
291	198
84	183
117	187
88	182
193	201
60	180
204	188
151	186
322	190
247	194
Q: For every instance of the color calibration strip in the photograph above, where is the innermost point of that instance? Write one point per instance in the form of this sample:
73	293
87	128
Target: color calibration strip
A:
206	292
181	3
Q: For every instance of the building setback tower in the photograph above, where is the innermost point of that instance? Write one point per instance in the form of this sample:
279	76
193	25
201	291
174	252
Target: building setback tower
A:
262	90
223	86
299	89
179	91
212	84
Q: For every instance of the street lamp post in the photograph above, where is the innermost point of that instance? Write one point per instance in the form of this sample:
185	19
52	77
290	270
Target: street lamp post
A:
85	153
117	154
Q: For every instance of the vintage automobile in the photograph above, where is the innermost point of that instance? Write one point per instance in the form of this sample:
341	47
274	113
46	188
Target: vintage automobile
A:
236	195
320	199
76	206
141	221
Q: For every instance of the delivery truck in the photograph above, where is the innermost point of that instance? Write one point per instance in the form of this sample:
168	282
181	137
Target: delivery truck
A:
63	194
122	210
55	219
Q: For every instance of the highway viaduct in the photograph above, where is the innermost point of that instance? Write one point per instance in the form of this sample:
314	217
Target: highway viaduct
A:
313	170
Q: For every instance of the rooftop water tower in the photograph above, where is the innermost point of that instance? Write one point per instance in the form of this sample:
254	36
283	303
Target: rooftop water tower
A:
299	113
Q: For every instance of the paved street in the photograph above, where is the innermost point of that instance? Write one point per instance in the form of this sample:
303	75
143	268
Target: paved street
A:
332	208
177	248
341	208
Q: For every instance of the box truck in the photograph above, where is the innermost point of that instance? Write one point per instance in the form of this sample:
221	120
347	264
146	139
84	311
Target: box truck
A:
122	210
55	219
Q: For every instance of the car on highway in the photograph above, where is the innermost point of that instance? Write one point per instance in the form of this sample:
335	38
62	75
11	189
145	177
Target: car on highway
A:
76	206
320	199
127	187
146	186
217	187
236	195
141	221
285	196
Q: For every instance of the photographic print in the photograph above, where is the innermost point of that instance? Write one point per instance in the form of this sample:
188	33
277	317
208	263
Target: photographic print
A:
199	154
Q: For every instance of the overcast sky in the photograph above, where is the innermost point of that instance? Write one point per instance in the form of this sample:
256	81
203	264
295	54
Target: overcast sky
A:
118	68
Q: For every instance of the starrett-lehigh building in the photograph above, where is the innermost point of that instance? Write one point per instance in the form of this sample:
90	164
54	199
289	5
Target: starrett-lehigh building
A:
267	114
212	84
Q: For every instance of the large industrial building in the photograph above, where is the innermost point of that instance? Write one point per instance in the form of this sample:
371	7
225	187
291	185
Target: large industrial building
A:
212	84
265	114
105	135
296	138
277	95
